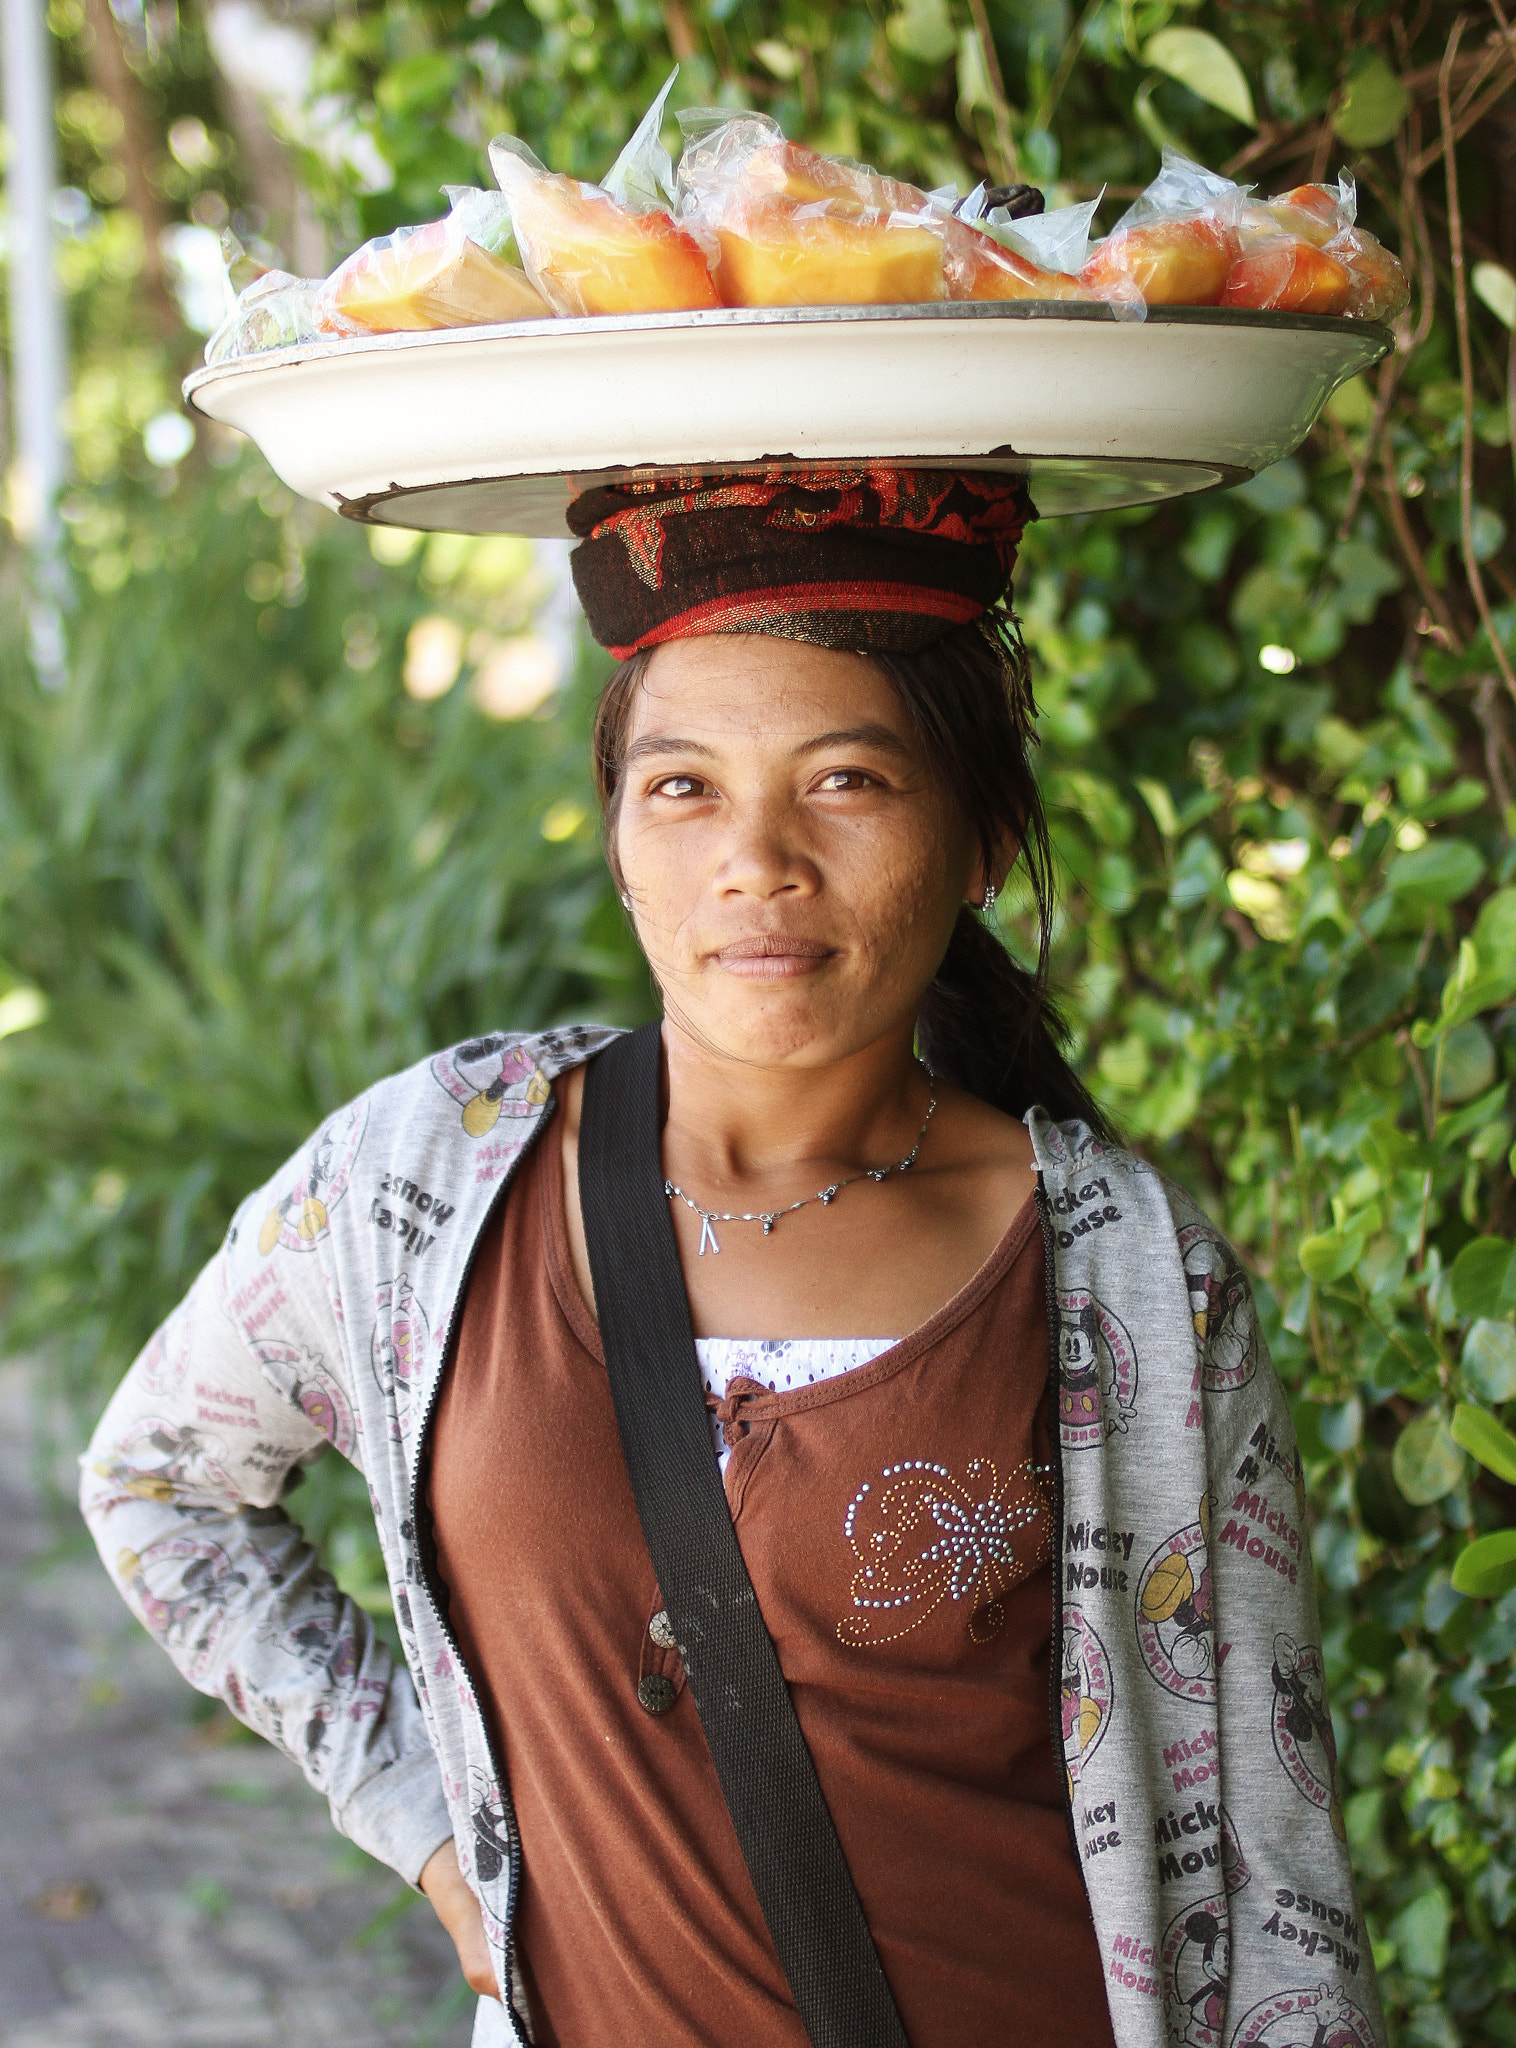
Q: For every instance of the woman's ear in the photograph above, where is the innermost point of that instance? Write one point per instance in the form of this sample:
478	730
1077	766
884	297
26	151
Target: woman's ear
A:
984	876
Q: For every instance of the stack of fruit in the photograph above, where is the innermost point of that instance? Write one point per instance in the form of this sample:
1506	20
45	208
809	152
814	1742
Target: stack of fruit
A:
752	219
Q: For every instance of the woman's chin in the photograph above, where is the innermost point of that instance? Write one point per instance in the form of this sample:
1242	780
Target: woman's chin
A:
796	1020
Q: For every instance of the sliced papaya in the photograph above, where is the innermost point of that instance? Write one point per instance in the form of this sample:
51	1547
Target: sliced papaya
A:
587	254
432	278
774	253
1286	275
1171	262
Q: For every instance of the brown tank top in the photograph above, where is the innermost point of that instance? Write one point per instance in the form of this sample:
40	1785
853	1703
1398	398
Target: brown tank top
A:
894	1523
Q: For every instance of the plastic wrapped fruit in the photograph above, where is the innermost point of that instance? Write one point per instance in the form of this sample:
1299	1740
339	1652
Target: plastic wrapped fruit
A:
774	253
1380	288
984	268
427	277
587	254
1170	262
798	228
276	311
794	228
1311	213
1283	274
745	157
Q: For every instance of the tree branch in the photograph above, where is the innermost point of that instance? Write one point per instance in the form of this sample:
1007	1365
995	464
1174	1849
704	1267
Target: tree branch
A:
1411	554
113	77
1007	163
1465	363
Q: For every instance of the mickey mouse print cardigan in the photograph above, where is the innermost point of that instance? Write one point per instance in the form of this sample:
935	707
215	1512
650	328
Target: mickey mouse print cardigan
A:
1189	1714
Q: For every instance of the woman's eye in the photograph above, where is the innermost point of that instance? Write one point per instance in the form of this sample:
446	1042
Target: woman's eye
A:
844	779
680	785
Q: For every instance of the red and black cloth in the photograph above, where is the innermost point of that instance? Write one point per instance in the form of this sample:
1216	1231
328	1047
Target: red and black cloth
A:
884	560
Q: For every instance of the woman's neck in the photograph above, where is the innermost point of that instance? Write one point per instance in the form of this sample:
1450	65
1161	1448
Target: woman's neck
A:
734	1120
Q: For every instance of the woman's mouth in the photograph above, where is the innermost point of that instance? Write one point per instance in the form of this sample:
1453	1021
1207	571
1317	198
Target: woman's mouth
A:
773	956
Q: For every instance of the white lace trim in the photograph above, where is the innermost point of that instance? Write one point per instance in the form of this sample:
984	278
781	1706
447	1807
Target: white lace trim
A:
780	1364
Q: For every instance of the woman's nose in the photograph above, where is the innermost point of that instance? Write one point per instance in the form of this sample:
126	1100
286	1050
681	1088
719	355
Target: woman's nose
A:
763	858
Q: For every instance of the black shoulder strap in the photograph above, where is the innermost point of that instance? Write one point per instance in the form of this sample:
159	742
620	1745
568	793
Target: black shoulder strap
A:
766	1773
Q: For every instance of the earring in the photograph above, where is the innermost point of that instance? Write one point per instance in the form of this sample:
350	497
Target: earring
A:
989	898
626	901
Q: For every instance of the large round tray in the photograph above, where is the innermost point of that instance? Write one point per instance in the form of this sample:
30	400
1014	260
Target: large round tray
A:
496	429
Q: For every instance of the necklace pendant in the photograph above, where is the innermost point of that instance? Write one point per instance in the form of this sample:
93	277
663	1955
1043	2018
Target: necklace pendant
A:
768	1223
706	1231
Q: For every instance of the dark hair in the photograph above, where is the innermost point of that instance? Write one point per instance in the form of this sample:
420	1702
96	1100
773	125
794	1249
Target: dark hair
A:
986	1022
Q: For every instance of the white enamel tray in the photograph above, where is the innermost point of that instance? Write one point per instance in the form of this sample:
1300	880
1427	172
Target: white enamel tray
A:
496	429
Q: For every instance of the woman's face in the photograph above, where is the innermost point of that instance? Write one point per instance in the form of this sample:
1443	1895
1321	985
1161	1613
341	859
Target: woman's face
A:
794	868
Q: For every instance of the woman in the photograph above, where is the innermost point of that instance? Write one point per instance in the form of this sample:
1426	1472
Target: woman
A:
1023	1514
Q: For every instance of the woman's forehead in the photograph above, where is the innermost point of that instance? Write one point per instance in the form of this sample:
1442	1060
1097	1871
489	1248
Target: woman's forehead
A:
766	693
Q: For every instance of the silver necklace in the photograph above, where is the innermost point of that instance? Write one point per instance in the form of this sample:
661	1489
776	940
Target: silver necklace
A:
709	1218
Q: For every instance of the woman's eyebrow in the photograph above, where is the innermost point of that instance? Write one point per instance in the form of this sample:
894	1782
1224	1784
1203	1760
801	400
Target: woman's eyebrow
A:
653	744
872	735
665	743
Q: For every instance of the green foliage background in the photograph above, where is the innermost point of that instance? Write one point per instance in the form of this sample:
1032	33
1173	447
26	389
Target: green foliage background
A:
246	873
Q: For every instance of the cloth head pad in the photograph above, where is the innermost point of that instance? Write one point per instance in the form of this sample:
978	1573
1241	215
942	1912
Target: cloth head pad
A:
884	560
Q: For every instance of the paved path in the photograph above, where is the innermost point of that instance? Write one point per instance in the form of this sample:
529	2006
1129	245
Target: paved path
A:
166	1879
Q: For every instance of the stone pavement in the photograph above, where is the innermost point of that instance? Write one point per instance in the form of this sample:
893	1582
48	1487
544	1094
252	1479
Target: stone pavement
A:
166	1879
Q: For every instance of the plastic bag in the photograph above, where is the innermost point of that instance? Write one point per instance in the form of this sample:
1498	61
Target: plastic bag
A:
275	311
452	272
1313	213
1056	239
1284	273
1303	252
587	252
642	177
1177	242
1181	190
1380	288
795	228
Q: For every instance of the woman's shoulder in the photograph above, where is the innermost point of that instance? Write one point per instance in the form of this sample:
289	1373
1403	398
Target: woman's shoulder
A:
492	1074
1092	1184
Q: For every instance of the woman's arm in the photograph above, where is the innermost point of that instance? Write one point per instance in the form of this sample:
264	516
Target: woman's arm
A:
1297	1929
180	1491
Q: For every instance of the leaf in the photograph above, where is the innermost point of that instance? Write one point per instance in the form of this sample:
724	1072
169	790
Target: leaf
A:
416	83
1331	1253
1156	796
1426	1462
1495	933
974	88
1439	872
1494	284
785	63
1477	1432
1468	1063
1483	977
1365	576
1486	1568
1198	873
1373	105
1420	1933
1206	66
1489	1360
1500	1699
922	29
1483	1278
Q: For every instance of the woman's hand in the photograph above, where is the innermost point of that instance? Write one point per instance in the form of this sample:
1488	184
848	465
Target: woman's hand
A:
458	1910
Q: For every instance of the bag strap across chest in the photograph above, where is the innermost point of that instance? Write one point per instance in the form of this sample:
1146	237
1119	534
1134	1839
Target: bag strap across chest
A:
767	1777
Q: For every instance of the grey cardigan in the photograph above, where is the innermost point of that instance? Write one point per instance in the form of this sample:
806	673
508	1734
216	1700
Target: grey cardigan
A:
1189	1711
